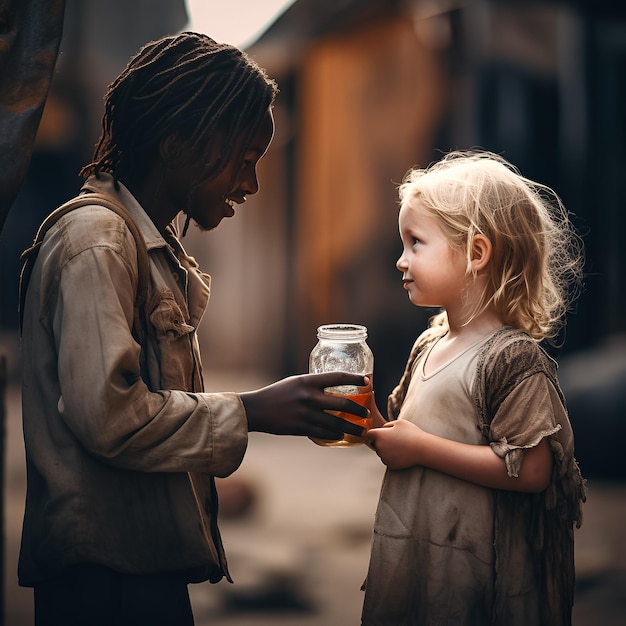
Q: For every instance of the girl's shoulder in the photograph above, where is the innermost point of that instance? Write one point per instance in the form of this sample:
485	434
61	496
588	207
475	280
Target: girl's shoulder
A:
513	351
507	359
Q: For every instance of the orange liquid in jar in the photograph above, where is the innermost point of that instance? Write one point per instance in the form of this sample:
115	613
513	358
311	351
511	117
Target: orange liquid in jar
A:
364	398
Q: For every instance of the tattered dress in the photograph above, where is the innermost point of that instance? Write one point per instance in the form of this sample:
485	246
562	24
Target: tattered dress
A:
446	551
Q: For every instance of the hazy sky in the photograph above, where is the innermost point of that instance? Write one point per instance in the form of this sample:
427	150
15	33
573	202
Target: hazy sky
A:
236	22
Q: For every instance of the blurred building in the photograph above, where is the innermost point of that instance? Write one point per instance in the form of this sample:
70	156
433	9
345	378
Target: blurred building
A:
370	88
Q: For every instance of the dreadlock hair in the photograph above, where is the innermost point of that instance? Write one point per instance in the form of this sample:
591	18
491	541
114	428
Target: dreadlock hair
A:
186	84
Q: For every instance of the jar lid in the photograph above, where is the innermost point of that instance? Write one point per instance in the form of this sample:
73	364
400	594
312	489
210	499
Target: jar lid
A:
342	332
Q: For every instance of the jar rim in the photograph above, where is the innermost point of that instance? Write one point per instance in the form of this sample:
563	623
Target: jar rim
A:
342	331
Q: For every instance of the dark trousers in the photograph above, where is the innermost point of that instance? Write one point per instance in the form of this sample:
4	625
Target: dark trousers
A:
91	595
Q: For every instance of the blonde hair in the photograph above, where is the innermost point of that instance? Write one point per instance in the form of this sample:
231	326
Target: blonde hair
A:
535	270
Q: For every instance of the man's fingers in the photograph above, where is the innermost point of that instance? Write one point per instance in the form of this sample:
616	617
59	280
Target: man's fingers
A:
335	379
344	426
343	404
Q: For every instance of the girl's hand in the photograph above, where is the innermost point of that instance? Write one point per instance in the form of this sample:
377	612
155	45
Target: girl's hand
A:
398	443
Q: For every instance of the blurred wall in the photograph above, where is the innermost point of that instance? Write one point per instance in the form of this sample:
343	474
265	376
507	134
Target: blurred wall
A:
319	242
369	89
366	118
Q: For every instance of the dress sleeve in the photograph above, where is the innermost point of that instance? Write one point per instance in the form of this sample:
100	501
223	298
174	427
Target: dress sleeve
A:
523	403
531	412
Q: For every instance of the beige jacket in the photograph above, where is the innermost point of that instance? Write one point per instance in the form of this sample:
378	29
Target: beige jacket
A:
120	467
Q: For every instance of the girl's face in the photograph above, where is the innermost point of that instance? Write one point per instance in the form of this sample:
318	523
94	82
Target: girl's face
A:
432	272
209	202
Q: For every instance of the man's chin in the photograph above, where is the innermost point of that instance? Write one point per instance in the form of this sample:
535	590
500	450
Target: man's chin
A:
205	228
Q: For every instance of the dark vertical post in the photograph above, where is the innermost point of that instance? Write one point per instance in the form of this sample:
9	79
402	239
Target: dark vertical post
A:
3	386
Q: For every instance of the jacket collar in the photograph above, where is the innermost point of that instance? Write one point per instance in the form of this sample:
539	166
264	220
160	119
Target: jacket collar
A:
104	184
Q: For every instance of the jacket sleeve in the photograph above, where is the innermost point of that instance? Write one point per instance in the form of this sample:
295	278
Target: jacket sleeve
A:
104	401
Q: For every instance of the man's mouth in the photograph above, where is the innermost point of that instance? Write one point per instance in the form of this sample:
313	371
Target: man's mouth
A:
232	201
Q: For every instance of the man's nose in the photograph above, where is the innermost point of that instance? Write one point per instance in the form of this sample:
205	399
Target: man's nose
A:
250	184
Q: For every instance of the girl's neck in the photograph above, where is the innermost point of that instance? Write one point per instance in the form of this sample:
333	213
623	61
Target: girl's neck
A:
460	337
480	326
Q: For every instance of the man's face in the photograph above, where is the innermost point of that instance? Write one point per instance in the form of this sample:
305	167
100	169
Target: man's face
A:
209	202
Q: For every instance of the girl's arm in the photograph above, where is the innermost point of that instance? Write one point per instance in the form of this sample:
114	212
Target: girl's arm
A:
401	444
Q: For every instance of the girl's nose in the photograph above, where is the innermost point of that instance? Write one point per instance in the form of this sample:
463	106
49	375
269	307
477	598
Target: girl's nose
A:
401	263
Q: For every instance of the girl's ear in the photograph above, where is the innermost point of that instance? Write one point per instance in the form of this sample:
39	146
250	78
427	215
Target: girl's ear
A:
481	253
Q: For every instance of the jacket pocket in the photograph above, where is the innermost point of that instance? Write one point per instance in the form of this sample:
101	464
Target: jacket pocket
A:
174	337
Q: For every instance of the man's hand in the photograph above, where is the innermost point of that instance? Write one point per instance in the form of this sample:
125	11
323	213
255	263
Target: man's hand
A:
298	406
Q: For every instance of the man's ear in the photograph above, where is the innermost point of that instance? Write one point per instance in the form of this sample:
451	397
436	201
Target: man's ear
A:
172	150
481	253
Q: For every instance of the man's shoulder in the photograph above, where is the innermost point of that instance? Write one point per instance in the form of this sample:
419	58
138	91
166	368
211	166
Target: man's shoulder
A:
92	226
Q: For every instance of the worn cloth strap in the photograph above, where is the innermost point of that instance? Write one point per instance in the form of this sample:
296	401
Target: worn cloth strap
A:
85	198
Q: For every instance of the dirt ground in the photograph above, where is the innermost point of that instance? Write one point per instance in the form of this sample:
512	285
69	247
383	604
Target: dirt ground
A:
299	551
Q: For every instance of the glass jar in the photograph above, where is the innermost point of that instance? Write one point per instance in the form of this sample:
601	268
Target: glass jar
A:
343	348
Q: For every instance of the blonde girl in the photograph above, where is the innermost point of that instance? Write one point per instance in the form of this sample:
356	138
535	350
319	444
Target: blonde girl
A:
482	492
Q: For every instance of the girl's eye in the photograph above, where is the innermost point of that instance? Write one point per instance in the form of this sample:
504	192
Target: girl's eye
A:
414	241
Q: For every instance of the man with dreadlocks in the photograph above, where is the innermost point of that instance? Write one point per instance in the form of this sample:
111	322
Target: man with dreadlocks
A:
122	444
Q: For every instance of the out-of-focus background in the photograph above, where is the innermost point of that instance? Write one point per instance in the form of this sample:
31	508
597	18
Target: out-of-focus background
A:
369	88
